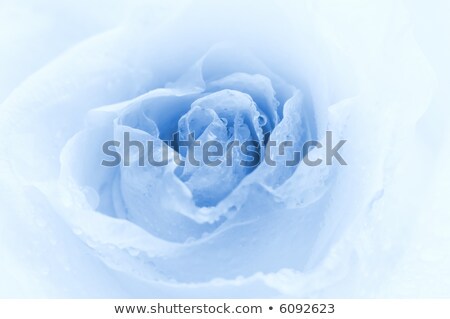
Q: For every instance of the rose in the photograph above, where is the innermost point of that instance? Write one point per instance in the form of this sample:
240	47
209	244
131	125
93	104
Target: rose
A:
278	225
190	205
178	202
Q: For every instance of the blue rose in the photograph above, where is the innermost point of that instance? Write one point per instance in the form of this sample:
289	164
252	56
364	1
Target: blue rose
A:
190	207
230	71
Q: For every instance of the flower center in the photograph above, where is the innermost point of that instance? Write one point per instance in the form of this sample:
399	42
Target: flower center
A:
226	124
